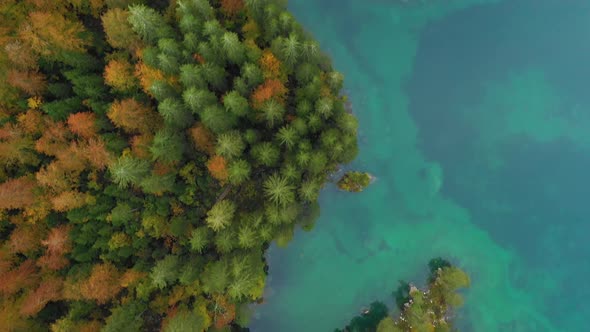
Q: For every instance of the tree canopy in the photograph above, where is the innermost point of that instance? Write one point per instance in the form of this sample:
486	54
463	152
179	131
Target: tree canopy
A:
149	153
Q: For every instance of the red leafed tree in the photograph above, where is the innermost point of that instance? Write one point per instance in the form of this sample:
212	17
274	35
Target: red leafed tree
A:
30	82
232	7
224	312
23	276
203	138
103	283
58	240
217	167
271	88
17	193
58	244
133	116
52	262
49	290
83	124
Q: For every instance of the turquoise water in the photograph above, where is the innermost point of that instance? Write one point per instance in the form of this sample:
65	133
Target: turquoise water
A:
474	119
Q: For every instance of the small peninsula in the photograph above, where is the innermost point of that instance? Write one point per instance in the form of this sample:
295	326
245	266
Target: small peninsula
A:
429	309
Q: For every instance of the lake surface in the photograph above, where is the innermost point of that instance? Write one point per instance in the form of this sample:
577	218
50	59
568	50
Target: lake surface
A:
475	119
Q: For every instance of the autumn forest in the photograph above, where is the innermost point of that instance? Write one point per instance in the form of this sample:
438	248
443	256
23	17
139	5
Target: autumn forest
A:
149	153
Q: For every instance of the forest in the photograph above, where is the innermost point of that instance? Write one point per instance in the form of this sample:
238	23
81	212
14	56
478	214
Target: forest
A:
150	151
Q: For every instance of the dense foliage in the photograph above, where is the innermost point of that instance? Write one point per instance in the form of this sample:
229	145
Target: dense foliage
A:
428	310
149	153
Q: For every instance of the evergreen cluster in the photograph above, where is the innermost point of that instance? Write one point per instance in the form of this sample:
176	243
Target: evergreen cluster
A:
149	153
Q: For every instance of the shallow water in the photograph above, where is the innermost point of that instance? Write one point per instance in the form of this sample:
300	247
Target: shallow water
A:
474	119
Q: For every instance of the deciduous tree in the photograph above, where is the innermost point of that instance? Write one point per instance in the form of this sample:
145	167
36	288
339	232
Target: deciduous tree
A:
133	116
17	193
103	283
217	167
49	290
83	124
119	74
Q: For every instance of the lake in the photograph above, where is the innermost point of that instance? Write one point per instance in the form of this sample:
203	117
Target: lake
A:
474	118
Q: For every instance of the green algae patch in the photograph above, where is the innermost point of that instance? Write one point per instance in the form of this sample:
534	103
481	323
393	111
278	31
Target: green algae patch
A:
354	181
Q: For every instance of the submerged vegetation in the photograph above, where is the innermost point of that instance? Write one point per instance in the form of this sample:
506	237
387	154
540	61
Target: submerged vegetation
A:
425	310
149	153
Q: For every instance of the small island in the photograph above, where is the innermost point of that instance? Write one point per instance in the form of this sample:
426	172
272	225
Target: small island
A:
354	181
428	309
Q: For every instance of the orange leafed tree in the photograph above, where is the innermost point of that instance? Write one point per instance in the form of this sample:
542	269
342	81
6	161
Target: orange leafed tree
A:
83	124
147	76
21	55
103	283
73	158
49	290
271	88
23	276
270	65
69	200
24	239
130	277
31	122
57	178
17	193
52	262
119	75
31	82
232	7
95	151
217	167
49	32
15	146
53	140
203	138
133	116
140	145
118	30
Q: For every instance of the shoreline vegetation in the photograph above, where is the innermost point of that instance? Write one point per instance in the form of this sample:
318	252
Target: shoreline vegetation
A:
428	309
149	153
